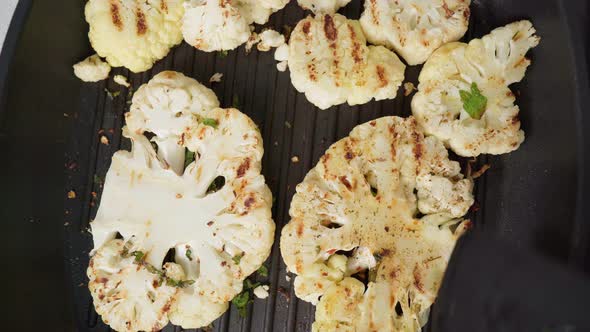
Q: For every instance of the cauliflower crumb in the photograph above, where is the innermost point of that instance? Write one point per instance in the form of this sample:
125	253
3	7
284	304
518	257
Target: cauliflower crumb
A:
216	78
269	39
282	66
253	40
261	292
408	88
295	159
71	194
92	69
104	140
121	80
287	278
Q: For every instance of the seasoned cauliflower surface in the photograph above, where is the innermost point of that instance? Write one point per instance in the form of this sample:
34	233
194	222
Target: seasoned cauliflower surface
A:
211	25
331	63
358	210
490	64
323	6
209	212
415	28
92	69
134	34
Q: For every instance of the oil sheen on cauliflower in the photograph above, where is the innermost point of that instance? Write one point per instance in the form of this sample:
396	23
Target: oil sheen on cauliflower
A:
92	69
415	28
331	63
493	63
212	25
215	209
323	6
134	34
365	198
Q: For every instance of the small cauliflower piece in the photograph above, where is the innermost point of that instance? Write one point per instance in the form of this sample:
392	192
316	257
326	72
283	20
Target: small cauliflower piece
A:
365	196
215	208
126	294
224	25
489	65
323	6
216	78
92	69
415	28
268	39
121	80
134	34
261	291
167	106
331	63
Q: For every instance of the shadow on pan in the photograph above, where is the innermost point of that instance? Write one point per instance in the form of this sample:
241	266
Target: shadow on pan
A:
533	198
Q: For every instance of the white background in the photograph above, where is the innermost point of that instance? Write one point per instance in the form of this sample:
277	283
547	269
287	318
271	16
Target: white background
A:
6	10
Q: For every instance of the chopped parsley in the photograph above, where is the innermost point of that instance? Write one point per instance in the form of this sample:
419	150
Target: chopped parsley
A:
263	271
98	180
236	102
112	95
242	300
223	54
210	122
374	191
474	103
189	254
217	184
139	255
237	259
189	157
179	283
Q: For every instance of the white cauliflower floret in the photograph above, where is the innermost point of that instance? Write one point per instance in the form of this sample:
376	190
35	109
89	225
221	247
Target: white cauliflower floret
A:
415	28
125	293
134	34
167	106
364	197
215	209
261	291
323	6
268	39
224	25
331	63
92	69
486	66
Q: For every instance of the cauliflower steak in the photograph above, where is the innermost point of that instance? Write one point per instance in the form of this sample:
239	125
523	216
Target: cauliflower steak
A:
331	63
415	28
133	33
359	209
459	76
213	25
208	213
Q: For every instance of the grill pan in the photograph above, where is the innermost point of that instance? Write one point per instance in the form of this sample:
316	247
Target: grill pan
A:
533	198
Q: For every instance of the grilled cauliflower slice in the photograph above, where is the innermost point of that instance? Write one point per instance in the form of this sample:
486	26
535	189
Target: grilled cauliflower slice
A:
492	63
415	28
361	198
167	106
217	208
331	63
92	69
126	294
134	34
211	25
323	6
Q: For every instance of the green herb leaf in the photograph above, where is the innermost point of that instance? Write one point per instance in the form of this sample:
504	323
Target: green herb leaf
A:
189	254
210	122
112	95
98	180
241	302
153	270
223	54
474	103
189	157
217	184
138	256
263	271
237	259
179	283
249	285
236	102
374	191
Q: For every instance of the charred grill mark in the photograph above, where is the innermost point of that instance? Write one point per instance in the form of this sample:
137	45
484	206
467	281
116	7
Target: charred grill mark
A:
249	202
330	28
244	167
140	22
356	47
306	27
374	12
116	15
381	74
164	6
418	283
345	182
299	230
448	12
311	70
